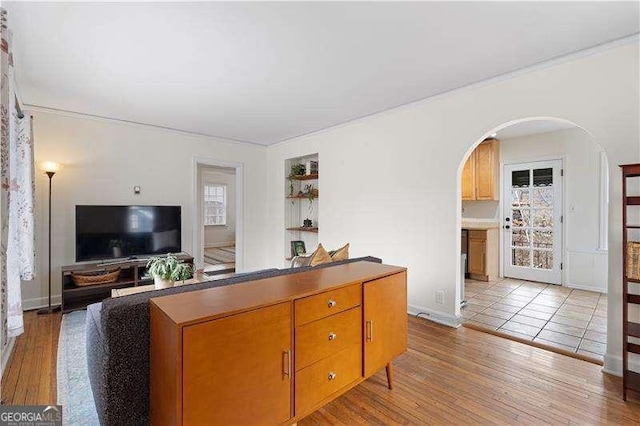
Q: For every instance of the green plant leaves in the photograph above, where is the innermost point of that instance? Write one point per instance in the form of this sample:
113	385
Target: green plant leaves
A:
169	268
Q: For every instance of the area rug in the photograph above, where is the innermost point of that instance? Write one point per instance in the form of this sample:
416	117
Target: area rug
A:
217	255
74	390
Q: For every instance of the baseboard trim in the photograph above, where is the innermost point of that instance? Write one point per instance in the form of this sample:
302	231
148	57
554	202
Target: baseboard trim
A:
6	354
586	287
40	302
613	365
435	316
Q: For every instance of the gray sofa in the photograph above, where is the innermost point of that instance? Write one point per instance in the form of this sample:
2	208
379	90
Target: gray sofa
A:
118	346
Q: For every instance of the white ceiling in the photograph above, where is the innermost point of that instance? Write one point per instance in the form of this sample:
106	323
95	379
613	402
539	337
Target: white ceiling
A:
265	72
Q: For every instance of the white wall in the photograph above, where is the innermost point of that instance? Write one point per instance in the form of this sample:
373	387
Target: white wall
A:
391	182
220	235
104	159
585	265
481	210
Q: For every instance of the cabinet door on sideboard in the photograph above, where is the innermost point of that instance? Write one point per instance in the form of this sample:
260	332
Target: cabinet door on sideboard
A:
385	321
237	370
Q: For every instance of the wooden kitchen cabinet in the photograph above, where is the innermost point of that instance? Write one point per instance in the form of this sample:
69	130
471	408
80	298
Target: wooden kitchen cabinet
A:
469	178
482	254
385	321
481	173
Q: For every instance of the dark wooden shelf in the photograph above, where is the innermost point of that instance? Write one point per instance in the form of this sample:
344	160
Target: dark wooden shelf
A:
633	298
305	177
630	170
633	201
633	329
632	347
304	229
630	379
633	380
301	197
132	274
114	284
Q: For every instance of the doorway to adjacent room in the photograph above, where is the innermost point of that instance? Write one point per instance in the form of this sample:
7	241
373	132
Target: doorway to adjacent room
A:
217	217
535	210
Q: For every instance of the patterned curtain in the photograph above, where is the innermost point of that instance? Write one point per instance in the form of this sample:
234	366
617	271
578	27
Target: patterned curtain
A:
17	256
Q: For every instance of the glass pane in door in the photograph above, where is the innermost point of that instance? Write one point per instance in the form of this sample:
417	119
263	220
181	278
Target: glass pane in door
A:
543	259
543	197
543	218
532	218
521	257
520	217
532	221
542	239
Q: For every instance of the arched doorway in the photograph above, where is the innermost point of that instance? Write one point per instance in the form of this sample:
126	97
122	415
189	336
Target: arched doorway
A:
537	244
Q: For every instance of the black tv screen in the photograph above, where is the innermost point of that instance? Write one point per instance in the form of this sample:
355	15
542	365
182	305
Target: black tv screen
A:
112	232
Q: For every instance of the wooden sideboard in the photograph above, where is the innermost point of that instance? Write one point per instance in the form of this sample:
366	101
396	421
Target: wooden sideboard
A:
274	350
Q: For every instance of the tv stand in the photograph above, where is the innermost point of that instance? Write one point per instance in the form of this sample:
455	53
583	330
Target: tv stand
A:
132	274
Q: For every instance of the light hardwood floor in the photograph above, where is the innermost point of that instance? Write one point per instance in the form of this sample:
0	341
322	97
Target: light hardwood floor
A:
30	375
448	376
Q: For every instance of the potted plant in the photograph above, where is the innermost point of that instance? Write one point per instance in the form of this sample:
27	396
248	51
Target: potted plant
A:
296	170
166	270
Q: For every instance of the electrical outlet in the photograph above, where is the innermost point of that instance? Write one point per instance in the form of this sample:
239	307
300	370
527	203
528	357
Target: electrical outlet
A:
440	297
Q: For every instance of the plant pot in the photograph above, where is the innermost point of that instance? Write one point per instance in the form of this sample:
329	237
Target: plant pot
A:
162	283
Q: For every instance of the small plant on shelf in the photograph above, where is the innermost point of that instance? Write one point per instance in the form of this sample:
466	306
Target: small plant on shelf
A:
296	170
166	270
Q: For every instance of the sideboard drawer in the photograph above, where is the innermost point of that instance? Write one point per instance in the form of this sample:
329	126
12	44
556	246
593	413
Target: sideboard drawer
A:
322	305
325	377
327	336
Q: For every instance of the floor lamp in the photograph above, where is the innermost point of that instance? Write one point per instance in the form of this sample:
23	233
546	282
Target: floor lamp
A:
50	168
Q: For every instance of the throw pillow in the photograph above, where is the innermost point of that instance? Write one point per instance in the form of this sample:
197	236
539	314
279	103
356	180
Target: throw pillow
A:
319	257
340	254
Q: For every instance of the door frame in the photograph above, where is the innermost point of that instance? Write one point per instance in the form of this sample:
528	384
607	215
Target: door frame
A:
197	236
563	206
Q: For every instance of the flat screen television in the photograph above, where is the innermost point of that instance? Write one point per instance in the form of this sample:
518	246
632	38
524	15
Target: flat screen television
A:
113	232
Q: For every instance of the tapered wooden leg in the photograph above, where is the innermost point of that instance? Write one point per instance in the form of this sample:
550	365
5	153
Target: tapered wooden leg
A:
389	369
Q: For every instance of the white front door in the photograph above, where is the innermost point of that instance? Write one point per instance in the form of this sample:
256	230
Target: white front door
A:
532	221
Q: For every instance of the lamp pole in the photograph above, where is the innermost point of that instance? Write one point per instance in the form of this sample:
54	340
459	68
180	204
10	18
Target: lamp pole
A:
49	309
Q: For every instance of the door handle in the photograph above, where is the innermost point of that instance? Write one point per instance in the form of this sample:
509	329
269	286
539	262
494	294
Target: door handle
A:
332	336
331	303
369	331
507	227
286	361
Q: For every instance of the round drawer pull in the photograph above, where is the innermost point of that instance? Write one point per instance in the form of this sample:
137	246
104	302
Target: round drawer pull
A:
332	375
332	303
332	336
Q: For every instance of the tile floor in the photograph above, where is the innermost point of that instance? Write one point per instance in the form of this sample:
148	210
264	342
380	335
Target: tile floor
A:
574	320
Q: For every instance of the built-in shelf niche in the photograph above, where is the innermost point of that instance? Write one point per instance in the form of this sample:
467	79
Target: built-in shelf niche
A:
298	207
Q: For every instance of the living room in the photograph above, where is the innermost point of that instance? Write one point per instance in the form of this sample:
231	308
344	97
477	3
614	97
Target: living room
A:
131	107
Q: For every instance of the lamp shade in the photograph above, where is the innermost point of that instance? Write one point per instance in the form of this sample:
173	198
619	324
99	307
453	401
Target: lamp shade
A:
50	166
